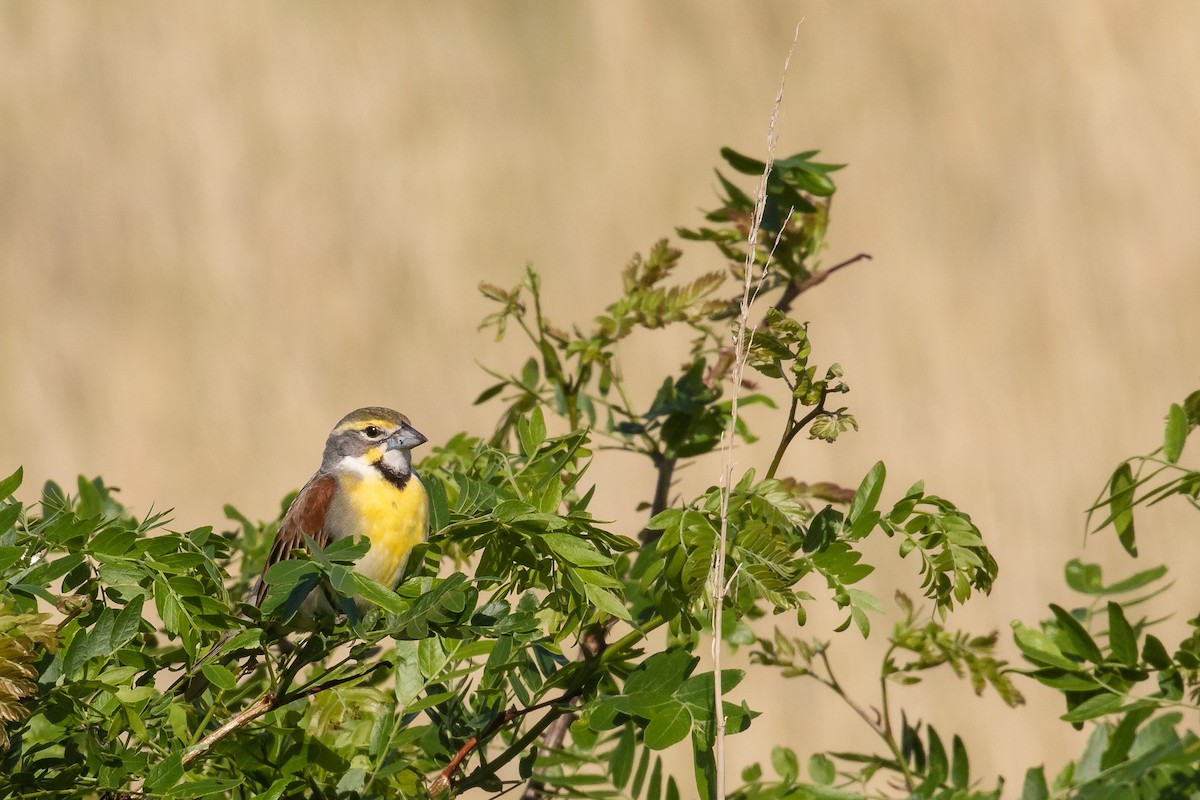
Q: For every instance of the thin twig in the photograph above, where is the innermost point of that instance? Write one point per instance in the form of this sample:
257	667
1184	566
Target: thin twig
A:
239	720
794	427
880	721
591	645
799	287
445	779
268	702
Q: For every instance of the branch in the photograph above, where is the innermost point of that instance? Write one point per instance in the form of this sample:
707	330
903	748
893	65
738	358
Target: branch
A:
592	645
606	654
799	287
244	717
445	779
879	722
793	427
662	492
269	701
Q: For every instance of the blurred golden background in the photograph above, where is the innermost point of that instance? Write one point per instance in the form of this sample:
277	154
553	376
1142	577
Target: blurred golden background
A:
224	225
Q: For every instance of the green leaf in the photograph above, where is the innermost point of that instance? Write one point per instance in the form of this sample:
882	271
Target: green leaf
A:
661	673
489	393
743	164
1173	438
620	761
1083	578
1034	787
529	375
553	366
960	766
1136	581
1095	706
862	507
697	694
1073	637
938	766
9	485
821	769
606	601
378	594
1155	654
639	775
220	677
704	770
575	550
275	791
785	763
532	432
1121	636
432	658
9	555
284	574
1040	648
113	541
1124	733
439	506
168	607
9	514
1121	488
165	774
1157	735
205	787
671	723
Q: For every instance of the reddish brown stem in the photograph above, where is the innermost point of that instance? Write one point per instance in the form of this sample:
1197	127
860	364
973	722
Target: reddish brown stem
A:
797	288
445	779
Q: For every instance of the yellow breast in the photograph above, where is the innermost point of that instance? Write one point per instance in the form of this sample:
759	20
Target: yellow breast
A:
395	520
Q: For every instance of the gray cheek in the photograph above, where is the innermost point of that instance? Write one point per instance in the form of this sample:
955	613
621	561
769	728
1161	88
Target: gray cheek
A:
338	448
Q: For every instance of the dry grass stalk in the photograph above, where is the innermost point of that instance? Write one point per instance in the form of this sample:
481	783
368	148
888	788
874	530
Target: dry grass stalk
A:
717	582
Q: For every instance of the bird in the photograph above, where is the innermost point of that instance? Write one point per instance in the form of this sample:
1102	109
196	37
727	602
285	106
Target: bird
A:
365	487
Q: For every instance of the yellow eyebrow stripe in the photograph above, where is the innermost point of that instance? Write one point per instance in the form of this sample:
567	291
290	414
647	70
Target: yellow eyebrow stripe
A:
361	424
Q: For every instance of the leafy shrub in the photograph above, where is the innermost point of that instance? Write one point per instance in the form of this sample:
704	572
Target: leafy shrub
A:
530	643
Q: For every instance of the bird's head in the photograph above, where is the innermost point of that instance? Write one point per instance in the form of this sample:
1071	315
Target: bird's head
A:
372	437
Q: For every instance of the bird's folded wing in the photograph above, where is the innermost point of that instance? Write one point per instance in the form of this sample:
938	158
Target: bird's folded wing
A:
306	517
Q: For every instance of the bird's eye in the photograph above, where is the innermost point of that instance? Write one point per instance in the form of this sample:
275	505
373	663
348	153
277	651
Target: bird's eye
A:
371	431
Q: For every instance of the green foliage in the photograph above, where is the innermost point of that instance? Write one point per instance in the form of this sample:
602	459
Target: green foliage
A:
798	193
1102	657
915	752
531	643
1152	478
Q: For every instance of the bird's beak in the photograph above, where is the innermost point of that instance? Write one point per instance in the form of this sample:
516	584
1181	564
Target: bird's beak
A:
406	438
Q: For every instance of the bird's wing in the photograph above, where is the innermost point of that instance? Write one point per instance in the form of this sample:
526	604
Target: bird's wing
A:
306	517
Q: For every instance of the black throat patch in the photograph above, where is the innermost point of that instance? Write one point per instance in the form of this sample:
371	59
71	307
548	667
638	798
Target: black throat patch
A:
397	479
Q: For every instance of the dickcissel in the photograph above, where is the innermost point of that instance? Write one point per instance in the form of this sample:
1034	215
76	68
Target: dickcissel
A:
365	487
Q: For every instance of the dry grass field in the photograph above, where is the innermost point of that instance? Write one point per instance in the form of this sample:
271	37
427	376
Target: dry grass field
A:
222	225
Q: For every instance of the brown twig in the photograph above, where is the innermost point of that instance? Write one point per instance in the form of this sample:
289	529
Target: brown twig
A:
445	779
268	702
799	287
878	720
239	720
591	645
